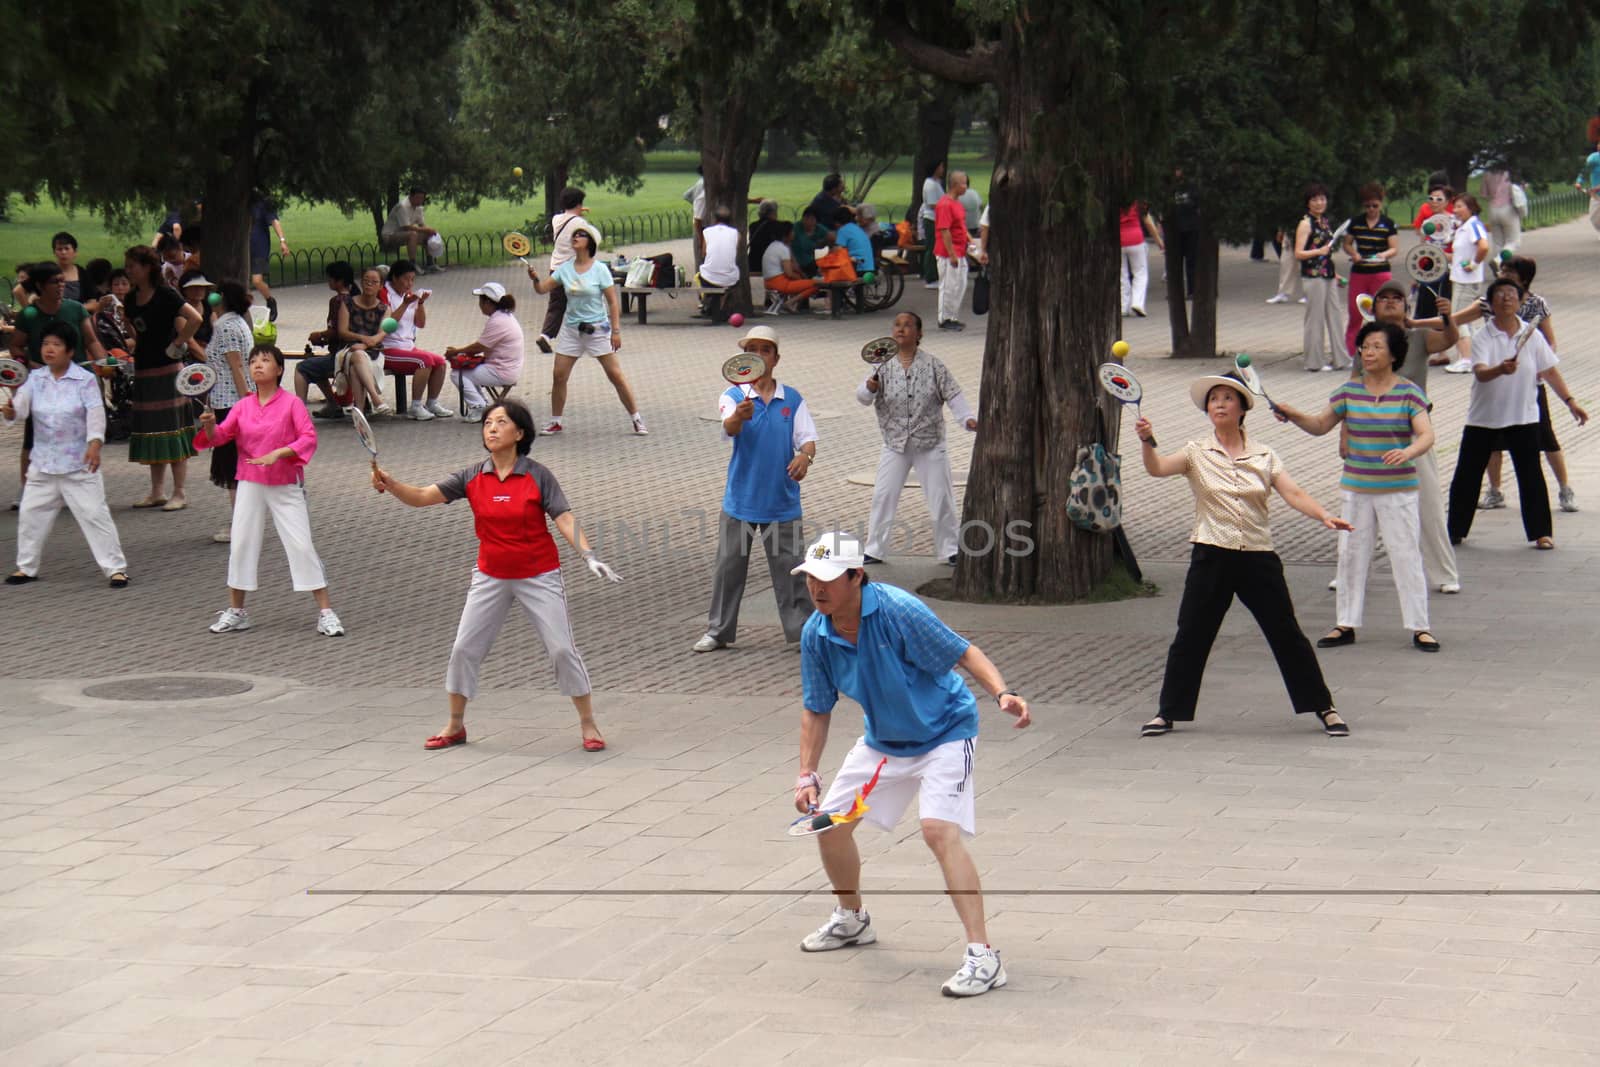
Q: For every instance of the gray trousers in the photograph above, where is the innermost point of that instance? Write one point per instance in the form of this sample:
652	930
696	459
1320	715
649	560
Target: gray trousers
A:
783	544
544	601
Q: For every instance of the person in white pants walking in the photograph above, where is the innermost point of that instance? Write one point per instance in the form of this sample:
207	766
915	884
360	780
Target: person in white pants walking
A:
909	393
276	440
69	427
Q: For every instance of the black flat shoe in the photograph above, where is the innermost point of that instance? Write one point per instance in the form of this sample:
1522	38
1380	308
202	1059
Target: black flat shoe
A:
119	580
870	560
20	579
1343	636
1333	729
1430	645
1155	727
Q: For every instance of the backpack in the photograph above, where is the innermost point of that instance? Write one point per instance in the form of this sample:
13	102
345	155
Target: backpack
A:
665	276
1094	498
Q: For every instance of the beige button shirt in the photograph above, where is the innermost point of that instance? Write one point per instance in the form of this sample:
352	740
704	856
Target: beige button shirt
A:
1231	495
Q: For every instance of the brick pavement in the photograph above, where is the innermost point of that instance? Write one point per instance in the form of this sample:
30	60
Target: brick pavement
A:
155	857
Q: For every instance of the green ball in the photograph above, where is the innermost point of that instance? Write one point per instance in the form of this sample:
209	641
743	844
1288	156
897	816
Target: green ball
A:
869	277
1428	227
389	325
822	821
213	299
1241	360
1505	255
30	313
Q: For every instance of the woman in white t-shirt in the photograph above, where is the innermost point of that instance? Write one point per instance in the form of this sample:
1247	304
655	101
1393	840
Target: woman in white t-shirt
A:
500	344
1470	247
780	274
592	327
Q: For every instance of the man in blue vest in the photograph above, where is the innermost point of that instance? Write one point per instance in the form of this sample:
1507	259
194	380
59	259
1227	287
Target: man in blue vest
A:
774	445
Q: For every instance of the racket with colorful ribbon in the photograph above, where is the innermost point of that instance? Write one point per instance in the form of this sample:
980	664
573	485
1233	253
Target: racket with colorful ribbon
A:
816	822
743	370
1251	379
196	380
517	245
12	374
1121	384
365	435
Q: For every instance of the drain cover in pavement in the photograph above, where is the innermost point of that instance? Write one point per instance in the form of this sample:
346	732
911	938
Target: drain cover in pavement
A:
176	687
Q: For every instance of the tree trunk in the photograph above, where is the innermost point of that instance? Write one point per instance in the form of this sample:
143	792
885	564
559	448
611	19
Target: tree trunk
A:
1054	313
226	242
1177	309
1203	314
936	124
730	148
1459	171
555	180
782	149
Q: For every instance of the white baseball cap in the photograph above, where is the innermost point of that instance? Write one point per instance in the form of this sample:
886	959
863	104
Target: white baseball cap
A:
493	290
831	555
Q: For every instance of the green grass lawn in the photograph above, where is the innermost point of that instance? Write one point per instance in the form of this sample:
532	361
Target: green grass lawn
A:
27	236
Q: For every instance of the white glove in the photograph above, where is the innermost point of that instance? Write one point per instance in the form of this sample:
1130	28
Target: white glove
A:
177	350
599	569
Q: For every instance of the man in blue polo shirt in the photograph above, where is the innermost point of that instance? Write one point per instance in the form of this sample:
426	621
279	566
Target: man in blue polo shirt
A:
774	445
883	648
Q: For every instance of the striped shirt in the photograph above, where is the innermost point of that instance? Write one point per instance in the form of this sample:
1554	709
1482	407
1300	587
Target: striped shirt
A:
1371	241
1378	424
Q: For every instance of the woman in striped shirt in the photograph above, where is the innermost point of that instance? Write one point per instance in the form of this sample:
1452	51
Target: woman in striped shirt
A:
1386	417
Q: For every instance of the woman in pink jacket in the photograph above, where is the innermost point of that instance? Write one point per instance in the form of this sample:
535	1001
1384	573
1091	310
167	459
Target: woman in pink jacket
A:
275	438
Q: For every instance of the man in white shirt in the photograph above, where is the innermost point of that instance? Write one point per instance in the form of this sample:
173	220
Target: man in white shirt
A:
721	265
407	228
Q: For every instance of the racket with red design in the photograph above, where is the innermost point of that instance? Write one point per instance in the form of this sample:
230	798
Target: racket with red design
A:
1121	384
12	374
196	380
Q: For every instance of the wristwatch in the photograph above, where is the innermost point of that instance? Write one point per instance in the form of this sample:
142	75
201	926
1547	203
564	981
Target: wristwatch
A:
1007	693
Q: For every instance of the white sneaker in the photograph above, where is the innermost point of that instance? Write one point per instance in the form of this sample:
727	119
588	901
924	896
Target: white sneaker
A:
384	408
1460	366
475	412
1567	498
1302	300
420	413
842	930
328	623
1278	298
551	428
710	644
980	972
438	410
223	536
1333	583
1450	587
638	425
230	620
1492	498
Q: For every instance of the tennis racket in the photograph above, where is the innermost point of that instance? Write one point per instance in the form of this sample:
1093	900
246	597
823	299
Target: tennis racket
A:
1252	380
12	374
364	434
817	822
517	245
1121	384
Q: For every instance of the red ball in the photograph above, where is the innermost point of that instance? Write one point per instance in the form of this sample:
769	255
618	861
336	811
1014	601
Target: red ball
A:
736	319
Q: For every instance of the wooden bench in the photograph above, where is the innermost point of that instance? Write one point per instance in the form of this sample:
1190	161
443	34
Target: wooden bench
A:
842	293
642	294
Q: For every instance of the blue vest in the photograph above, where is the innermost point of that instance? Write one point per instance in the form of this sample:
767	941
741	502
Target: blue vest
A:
759	487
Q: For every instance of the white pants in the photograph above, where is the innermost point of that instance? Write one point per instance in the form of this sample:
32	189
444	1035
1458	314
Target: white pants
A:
1438	558
1324	325
471	383
1135	264
544	601
1395	514
933	471
1505	231
952	289
84	494
290	517
941	780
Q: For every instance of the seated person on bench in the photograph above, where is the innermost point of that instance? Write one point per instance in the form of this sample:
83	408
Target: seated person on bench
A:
780	274
318	369
854	240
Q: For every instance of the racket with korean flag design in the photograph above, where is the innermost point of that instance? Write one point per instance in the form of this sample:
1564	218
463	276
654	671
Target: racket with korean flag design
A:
196	380
816	822
12	374
1121	384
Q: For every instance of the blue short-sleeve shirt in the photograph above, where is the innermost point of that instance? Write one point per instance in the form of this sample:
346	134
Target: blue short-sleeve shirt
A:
901	670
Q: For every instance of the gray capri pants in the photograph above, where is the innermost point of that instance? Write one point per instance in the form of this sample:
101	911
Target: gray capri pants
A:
544	600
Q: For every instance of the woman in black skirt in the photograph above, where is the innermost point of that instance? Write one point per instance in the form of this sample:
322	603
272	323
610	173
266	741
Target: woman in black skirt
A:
163	419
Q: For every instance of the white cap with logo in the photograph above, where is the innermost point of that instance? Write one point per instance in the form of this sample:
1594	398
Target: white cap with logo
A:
831	555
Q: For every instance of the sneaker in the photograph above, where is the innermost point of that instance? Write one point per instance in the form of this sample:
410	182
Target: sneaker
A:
1278	298
710	644
420	413
638	425
328	623
1333	583
328	411
230	620
384	408
1140	312
1450	587
438	410
1567	498
980	972
1492	498
475	412
1302	300
551	428
544	344
842	930
930	285
1460	366
223	536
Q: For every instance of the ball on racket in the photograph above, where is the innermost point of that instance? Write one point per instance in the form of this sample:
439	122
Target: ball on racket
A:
822	821
1505	255
1120	349
516	172
1364	302
1241	360
736	319
213	299
389	325
1428	227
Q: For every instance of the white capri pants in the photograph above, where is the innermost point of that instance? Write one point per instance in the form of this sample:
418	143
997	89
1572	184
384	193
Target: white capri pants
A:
1135	265
291	517
544	600
933	471
84	494
1395	514
471	383
941	780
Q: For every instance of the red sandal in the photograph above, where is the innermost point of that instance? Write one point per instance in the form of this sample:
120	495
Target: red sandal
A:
594	744
446	740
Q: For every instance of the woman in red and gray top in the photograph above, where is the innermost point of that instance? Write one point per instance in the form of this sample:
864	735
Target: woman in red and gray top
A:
511	496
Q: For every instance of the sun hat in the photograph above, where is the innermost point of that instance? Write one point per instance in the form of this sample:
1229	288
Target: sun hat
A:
831	555
760	333
493	290
1201	388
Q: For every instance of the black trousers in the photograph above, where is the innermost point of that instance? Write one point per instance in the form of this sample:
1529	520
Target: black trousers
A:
1216	576
1183	253
555	309
1473	458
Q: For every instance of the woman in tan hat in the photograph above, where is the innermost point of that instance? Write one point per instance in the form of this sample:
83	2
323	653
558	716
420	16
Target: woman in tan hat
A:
1232	481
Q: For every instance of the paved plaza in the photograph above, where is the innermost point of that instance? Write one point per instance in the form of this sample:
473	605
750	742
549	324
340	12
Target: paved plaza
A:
233	849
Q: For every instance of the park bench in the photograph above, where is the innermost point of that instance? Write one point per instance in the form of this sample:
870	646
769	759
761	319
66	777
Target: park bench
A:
642	294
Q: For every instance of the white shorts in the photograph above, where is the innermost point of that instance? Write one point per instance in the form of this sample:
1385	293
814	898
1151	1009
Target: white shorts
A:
573	342
941	780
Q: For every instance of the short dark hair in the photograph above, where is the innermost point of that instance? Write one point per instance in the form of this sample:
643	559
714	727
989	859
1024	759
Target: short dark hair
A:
234	298
97	274
1313	189
117	272
147	258
341	271
832	183
1394	335
1524	268
67	332
42	274
785	230
520	417
401	266
914	317
64	238
167	243
1370	191
843	215
570	198
1496	284
417	189
271	350
1471	202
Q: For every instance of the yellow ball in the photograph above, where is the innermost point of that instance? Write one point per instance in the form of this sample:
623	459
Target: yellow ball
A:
1120	349
516	172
